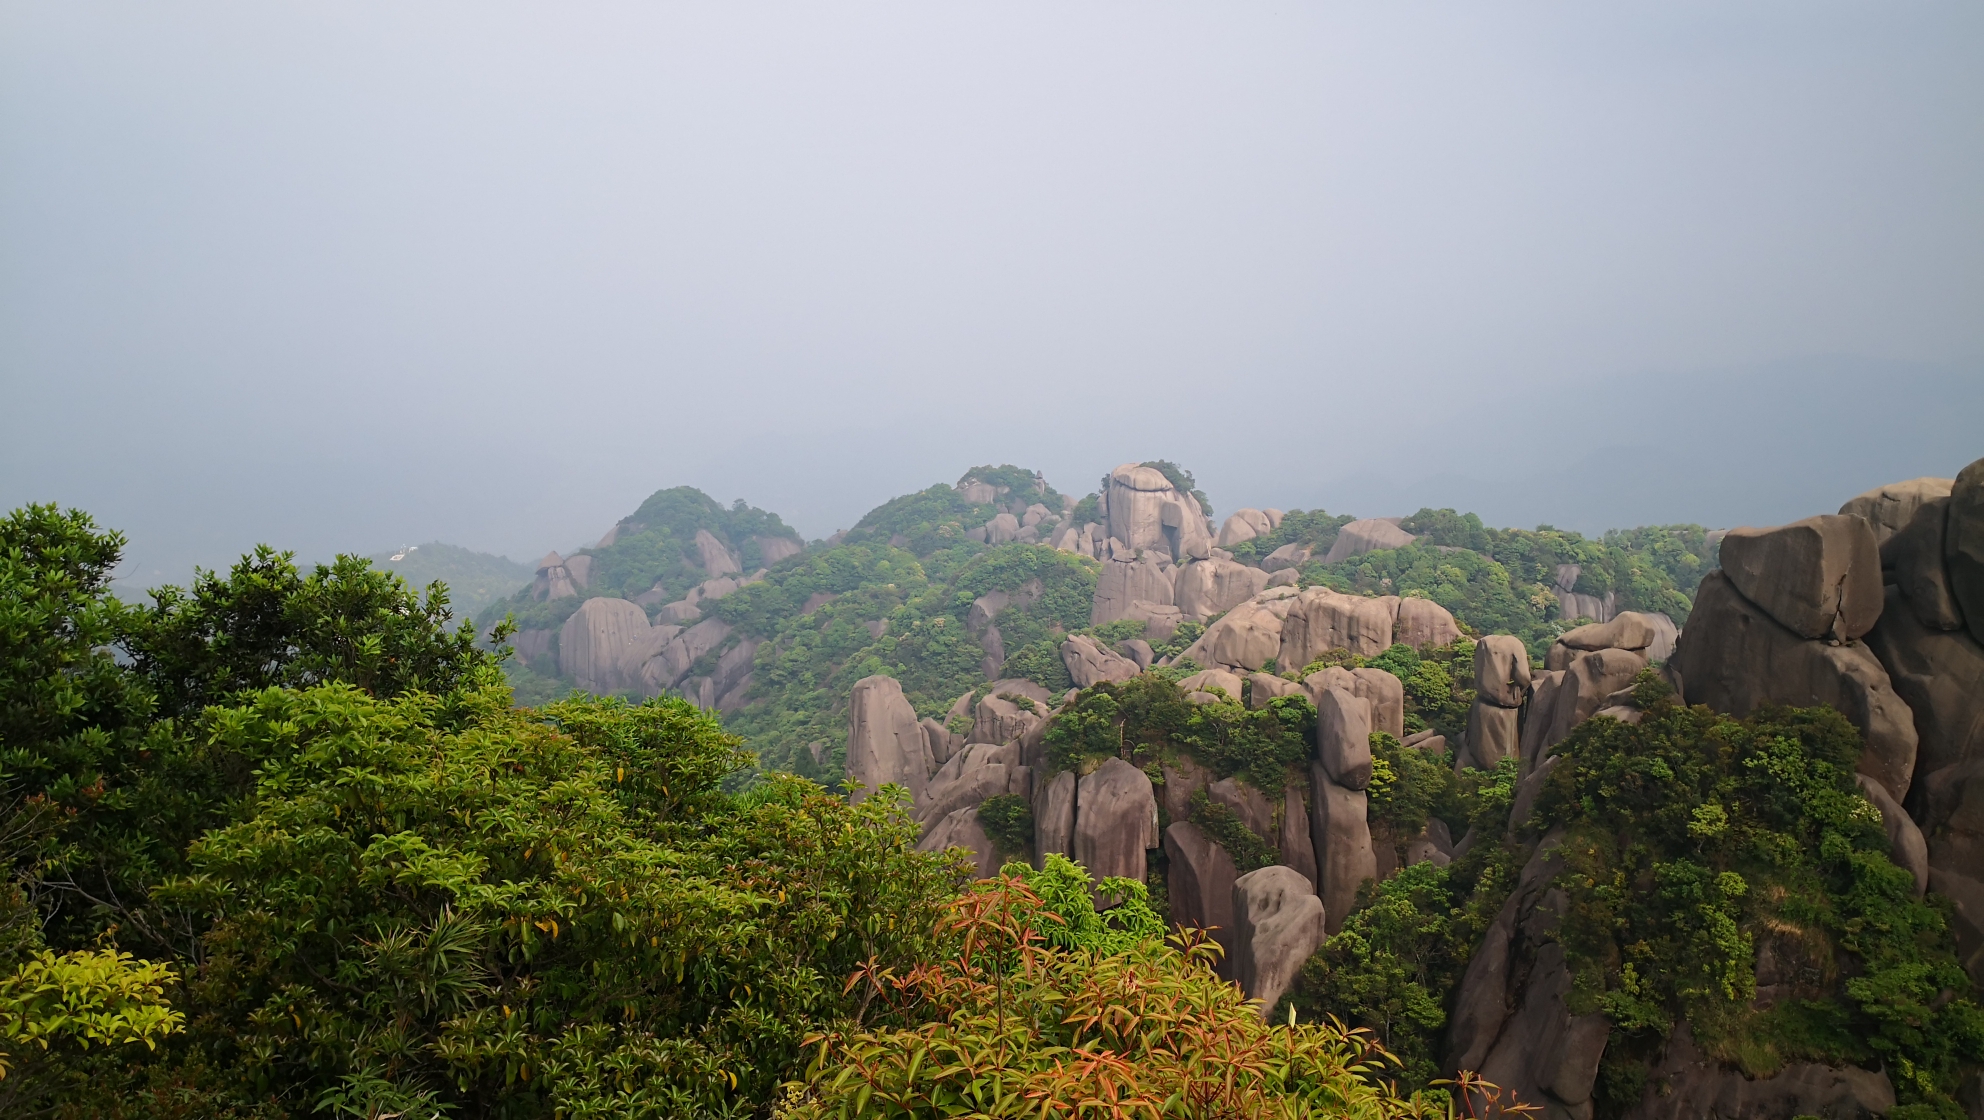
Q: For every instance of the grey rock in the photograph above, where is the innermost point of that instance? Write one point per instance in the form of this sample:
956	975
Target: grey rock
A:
1209	587
1161	620
1139	651
1886	509
1686	1085
1298	850
979	771
1539	715
1115	820
680	612
1264	688
773	549
1183	777
1343	738
1913	560
1286	577
1939	674
1950	806
1200	882
580	569
1501	670
942	743
1247	803
1013	687
1286	558
1002	529
1000	720
1341	833
961	829
1819	578
1088	663
1367	535
1905	843
1054	816
1735	658
554	580
1279	924
1586	685
1321	620
1627	630
1387	696
1963	545
1144	511
602	645
1122	582
1247	638
1209	679
1492	735
716	560
533	649
718	588
666	669
884	743
1421	623
977	493
734	666
1243	525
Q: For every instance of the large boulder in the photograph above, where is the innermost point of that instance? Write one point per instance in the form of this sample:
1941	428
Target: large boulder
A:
1512	1020
1088	663
1183	777
1161	620
1286	558
1493	734
1279	924
1265	688
554	579
1207	680
1115	820
1122	582
1146	512
1501	670
1247	804
1200	882
1343	738
1950	805
1939	674
961	829
943	742
1735	658
1367	535
1905	843
1912	559
1297	848
1206	588
1586	684
1886	509
1627	630
773	549
1385	692
1963	545
1340	830
1321	620
666	669
1819	578
1247	638
998	719
979	771
1054	816
1539	715
884	743
1420	623
716	560
602	645
1243	525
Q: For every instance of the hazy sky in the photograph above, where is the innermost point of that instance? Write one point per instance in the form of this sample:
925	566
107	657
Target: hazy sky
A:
349	275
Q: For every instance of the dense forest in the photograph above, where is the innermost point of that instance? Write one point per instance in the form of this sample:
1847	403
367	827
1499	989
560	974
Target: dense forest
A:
293	842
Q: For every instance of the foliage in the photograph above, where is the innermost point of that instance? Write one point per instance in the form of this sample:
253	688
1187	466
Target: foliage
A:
85	998
1068	919
1008	1024
1693	841
474	579
1008	823
1439	685
1147	719
1315	530
1223	825
1041	663
1025	486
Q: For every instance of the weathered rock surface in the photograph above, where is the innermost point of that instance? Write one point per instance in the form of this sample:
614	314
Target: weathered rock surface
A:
943	744
773	549
1279	923
1115	820
1539	715
1950	806
1819	578
1343	737
1122	582
1144	511
1088	663
1735	658
1297	848
1963	545
554	580
533	648
1183	777
1367	535
961	829
1587	683
1912	559
1387	696
1686	1085
1321	620
1627	630
1161	620
1054	816
716	560
1205	588
1341	833
1200	881
1511	1019
602	645
884	743
1939	674
1905	843
580	569
1501	670
1287	557
1886	509
1420	623
1572	603
1208	679
1139	651
1247	803
666	669
1000	720
1493	734
1243	525
1265	688
1247	638
979	771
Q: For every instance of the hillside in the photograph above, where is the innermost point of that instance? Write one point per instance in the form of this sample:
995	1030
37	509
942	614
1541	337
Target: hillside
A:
474	579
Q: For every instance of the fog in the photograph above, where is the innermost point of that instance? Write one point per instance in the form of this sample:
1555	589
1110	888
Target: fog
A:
346	276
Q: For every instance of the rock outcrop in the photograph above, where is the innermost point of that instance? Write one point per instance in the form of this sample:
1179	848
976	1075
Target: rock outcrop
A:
961	829
1145	512
1341	833
1501	684
1686	1085
1735	657
1206	588
1819	578
884	742
1247	638
668	668
1321	620
1343	738
1279	923
1243	525
978	772
1054	816
715	558
1088	663
1886	509
1206	681
1421	623
1905	843
1294	842
1115	820
1963	545
1124	582
554	580
604	643
1200	882
1367	535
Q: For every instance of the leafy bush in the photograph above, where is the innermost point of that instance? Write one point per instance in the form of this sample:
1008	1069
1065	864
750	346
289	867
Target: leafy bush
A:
1147	719
1223	825
1008	822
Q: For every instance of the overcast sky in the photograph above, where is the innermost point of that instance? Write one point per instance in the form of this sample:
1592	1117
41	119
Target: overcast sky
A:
351	275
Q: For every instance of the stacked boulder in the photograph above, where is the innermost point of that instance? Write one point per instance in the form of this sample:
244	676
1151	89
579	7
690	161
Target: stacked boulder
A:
1293	628
1501	685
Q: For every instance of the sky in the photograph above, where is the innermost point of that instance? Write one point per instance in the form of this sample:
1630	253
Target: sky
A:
344	276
